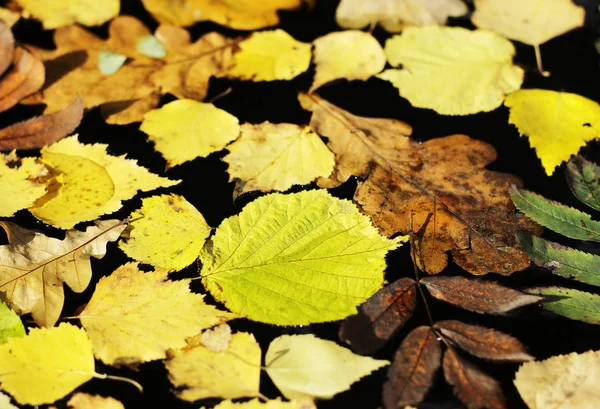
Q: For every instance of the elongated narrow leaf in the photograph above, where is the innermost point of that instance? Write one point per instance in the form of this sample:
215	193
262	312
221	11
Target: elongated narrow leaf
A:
475	388
582	176
483	342
562	219
563	261
485	297
412	372
570	303
380	317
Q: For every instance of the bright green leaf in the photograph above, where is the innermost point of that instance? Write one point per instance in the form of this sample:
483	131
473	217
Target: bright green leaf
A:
109	62
10	324
149	46
570	303
582	176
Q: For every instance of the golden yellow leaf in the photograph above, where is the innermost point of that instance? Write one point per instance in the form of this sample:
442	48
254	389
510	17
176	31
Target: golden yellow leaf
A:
166	232
22	181
270	157
270	56
85	401
216	339
558	124
135	317
185	129
452	70
199	373
8	16
353	55
46	365
270	404
58	13
33	267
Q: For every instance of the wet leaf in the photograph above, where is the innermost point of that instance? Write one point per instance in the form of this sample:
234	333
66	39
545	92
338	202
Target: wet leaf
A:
10	324
582	176
24	78
63	13
22	182
573	304
85	401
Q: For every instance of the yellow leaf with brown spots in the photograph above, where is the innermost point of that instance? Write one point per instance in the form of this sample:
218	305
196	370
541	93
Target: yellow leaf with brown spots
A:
22	182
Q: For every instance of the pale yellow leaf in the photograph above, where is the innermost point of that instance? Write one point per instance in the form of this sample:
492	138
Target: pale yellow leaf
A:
270	404
8	16
22	181
216	339
85	401
58	13
5	402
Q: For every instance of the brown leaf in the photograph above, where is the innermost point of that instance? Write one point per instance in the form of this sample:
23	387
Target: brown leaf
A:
485	297
43	130
475	388
483	342
461	207
380	317
7	47
25	78
412	373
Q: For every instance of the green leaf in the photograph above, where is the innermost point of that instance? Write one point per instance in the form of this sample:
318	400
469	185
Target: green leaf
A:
582	176
109	62
10	324
149	46
561	260
295	259
555	216
573	304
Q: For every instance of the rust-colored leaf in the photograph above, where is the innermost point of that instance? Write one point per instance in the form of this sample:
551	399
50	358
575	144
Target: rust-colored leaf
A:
483	342
411	375
7	46
485	297
475	388
43	130
26	77
458	205
380	317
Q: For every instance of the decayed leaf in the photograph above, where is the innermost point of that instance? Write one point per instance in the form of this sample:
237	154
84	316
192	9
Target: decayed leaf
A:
485	297
483	342
306	366
557	124
270	404
382	316
7	46
60	13
353	55
86	401
22	182
476	389
216	339
200	373
573	304
135	317
295	259
395	15
413	370
10	324
34	267
270	157
25	77
46	365
582	176
185	129
5	402
439	189
561	382
270	56
473	68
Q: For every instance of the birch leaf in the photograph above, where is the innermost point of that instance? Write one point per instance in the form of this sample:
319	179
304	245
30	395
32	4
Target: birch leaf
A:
20	185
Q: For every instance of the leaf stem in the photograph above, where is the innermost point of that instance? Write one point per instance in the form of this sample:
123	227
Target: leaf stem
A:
538	60
120	379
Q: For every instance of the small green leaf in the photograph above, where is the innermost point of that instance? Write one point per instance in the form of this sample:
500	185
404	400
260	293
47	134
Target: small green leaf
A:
10	324
573	304
563	261
555	216
149	46
109	62
583	177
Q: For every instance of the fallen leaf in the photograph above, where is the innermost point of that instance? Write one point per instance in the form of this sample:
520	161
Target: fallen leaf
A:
22	182
270	157
63	13
10	324
412	372
26	76
573	304
46	365
582	176
126	112
7	46
438	188
34	267
9	18
381	317
557	124
109	62
306	366
150	46
5	402
295	259
216	339
270	404
85	401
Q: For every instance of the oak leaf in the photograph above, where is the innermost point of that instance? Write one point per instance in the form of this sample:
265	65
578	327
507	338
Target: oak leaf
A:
60	13
85	401
10	324
22	182
270	404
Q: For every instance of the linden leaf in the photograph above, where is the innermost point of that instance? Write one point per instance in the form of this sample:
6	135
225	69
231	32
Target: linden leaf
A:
85	401
452	70
33	267
295	259
199	373
20	185
46	365
557	124
60	13
306	366
10	324
270	404
185	129
135	317
270	56
270	157
26	76
166	232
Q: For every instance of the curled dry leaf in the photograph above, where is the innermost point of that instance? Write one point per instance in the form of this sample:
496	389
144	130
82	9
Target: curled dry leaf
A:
25	77
7	47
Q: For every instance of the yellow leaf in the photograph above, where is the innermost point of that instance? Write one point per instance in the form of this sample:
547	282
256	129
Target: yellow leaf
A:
270	404
33	267
185	129
561	382
86	401
270	56
46	365
352	55
20	185
216	339
304	365
8	16
58	13
558	124
166	232
201	373
135	317
452	70
277	156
